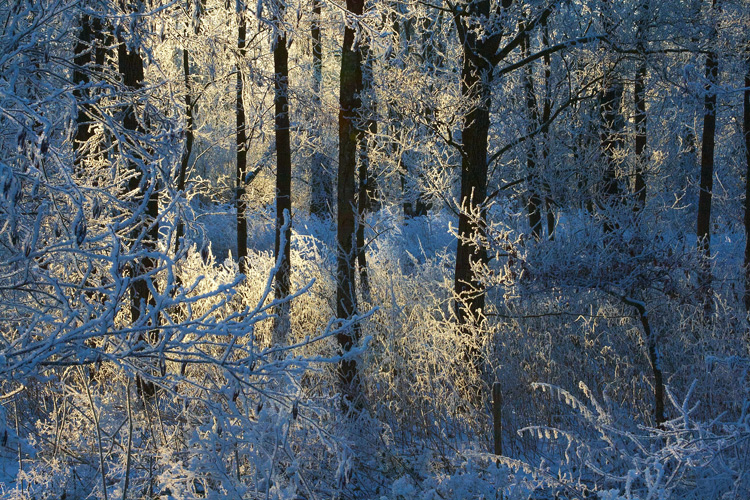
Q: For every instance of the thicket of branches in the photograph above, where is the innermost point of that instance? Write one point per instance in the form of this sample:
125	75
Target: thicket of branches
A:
285	249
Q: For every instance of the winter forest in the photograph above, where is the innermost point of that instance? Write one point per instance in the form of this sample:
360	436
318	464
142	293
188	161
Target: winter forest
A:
375	249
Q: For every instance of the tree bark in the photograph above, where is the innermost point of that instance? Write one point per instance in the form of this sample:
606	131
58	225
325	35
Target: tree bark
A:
654	358
707	176
476	75
321	183
534	202
611	142
189	139
366	191
746	133
546	114
639	96
346	297
83	57
481	54
241	169
144	183
282	246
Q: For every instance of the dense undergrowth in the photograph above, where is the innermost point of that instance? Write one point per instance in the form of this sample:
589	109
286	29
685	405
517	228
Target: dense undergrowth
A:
560	334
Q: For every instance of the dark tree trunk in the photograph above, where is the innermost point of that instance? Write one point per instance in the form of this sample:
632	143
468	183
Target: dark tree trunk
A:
346	296
321	183
746	132
610	135
89	57
366	192
476	88
189	139
241	170
282	246
83	57
654	358
707	176
534	202
481	54
412	198
476	78
546	114
640	135
143	183
611	141
639	95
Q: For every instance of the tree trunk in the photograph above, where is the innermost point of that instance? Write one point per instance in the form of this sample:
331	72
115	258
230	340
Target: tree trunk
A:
321	183
480	56
143	183
746	132
476	75
707	177
640	135
189	139
346	297
366	191
639	95
611	141
534	201
654	358
282	247
241	170
83	56
546	114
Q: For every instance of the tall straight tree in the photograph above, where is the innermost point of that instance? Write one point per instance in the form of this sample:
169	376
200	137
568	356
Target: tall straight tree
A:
480	33
321	183
241	168
282	245
476	87
195	22
612	124
546	115
349	103
639	96
533	202
83	57
143	183
366	189
481	54
189	139
706	186
746	133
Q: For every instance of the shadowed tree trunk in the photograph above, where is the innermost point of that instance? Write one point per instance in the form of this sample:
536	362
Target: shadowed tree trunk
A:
639	95
746	132
546	113
282	246
346	296
189	138
83	57
321	183
611	141
481	54
143	183
707	175
366	192
533	203
611	133
476	78
241	169
89	57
